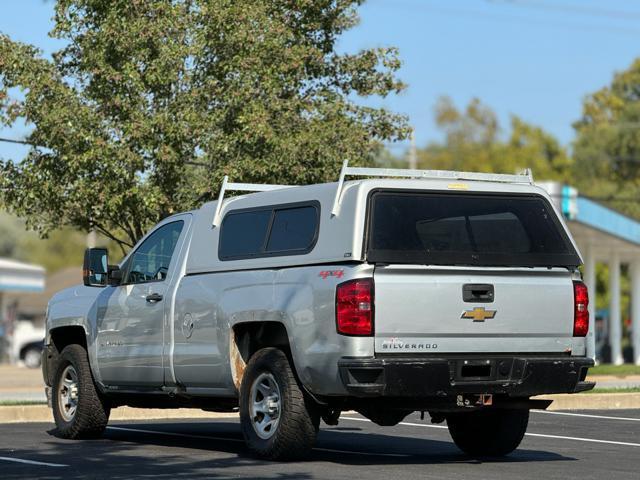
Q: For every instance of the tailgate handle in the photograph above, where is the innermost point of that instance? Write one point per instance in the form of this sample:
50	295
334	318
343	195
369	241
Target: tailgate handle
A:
477	292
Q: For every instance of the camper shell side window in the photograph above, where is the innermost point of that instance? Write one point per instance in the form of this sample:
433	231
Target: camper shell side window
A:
275	230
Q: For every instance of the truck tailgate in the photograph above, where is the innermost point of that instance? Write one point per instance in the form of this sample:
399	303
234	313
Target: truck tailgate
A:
422	309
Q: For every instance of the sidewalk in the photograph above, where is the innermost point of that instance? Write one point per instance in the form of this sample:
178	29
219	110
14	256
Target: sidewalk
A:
21	384
611	381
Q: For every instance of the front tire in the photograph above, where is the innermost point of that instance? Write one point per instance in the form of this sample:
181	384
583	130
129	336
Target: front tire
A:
488	432
78	409
278	421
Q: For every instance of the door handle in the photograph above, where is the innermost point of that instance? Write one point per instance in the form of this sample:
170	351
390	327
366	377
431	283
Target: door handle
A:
154	297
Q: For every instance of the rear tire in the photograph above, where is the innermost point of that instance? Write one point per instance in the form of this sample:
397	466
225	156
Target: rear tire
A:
78	409
488	432
278	421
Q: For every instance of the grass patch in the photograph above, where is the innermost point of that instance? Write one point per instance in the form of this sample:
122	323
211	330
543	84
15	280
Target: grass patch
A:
19	403
615	390
617	370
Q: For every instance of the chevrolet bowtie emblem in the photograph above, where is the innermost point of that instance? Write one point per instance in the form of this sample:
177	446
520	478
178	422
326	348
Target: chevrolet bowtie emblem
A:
479	314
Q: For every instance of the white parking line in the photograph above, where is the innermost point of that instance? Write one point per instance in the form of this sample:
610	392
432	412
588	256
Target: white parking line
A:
370	454
237	440
32	462
426	425
561	437
629	419
579	439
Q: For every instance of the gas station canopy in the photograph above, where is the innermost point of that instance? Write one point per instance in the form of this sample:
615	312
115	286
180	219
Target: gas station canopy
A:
607	236
20	277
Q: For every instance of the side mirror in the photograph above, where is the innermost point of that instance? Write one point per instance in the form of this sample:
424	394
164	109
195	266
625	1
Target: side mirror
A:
115	275
95	267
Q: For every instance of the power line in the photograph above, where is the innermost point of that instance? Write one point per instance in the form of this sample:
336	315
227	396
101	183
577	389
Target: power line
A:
579	9
413	152
20	142
493	16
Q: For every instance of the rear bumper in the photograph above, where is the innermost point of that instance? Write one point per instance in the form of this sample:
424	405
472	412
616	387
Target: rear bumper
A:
514	376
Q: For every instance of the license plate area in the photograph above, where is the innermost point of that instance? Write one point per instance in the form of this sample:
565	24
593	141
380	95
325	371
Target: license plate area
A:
475	370
479	369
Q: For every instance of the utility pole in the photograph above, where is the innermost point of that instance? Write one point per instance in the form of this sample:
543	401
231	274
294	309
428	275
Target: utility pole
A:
91	239
413	154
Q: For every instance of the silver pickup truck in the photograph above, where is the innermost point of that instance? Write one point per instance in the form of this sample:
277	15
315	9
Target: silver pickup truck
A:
456	294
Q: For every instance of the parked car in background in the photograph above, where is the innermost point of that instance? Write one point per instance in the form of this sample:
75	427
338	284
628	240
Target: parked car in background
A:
27	343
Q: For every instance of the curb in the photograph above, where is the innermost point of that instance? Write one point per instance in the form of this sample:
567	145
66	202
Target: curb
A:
593	401
42	413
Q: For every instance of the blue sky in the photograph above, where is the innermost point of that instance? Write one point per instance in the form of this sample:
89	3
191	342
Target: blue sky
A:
534	58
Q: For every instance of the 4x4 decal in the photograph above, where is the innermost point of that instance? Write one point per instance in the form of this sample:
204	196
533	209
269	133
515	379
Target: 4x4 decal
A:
331	273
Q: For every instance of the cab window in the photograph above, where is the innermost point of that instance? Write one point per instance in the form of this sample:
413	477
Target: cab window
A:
150	262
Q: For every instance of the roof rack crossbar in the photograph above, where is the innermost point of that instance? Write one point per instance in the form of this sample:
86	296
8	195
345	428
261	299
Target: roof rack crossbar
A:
524	177
240	187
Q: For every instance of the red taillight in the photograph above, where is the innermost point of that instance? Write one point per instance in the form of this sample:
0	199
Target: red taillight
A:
354	307
580	309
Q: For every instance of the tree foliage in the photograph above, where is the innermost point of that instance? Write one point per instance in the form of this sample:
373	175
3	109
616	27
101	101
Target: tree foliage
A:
151	102
607	144
61	249
473	142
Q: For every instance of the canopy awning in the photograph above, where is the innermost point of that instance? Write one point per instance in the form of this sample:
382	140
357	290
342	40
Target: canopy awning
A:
20	277
595	226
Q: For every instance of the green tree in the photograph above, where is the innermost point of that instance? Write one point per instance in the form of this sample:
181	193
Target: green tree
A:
153	101
607	144
11	232
473	142
62	248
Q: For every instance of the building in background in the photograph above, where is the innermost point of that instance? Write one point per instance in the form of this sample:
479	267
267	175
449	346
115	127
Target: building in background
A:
607	236
17	278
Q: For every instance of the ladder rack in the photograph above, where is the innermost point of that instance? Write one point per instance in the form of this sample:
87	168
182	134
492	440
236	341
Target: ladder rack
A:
524	177
240	187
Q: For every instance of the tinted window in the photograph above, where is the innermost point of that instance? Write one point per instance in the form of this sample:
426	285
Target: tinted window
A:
467	229
243	234
292	229
150	262
496	232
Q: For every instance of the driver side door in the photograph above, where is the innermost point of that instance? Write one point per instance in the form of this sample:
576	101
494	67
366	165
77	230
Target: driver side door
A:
130	333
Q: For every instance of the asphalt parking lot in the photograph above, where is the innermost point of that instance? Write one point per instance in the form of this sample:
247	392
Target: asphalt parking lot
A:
585	445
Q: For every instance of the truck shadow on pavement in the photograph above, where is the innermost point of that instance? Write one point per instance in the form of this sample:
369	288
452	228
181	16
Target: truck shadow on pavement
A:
341	445
180	450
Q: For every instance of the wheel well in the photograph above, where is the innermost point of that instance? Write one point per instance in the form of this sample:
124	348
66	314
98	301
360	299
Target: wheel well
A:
60	338
249	337
63	336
